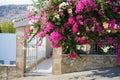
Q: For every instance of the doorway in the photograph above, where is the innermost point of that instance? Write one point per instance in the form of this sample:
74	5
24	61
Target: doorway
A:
37	60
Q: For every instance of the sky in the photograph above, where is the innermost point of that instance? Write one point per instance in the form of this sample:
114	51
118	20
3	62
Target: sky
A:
17	2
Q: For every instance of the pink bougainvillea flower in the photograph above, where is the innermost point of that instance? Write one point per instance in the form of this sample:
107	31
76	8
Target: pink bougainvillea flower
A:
75	28
99	43
115	9
118	27
33	19
71	20
93	19
80	6
62	14
73	55
111	40
80	22
88	9
53	11
26	36
63	30
27	29
29	13
82	3
112	24
69	55
39	44
66	25
103	31
99	28
69	0
49	27
41	35
81	40
55	37
79	17
86	21
100	12
118	46
119	12
44	18
57	6
55	45
46	8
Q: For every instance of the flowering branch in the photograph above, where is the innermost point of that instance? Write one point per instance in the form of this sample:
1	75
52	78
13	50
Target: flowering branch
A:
78	22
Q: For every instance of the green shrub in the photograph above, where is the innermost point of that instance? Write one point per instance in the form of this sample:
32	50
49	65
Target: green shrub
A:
7	27
0	30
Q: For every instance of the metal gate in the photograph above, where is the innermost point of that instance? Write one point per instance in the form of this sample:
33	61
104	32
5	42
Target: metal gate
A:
34	54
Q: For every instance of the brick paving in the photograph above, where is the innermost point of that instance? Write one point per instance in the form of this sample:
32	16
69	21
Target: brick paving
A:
97	74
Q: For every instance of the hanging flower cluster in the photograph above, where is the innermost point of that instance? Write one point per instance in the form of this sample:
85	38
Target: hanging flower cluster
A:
77	22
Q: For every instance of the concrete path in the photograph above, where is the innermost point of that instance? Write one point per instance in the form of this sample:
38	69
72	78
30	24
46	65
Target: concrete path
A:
97	74
44	68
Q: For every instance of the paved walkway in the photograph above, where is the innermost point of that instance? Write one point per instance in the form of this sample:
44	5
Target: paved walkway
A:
44	68
97	74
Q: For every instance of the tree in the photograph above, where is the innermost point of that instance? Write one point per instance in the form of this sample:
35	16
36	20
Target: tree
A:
7	27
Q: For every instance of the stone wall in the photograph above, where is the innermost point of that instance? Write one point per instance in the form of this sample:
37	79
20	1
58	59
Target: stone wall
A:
86	62
9	72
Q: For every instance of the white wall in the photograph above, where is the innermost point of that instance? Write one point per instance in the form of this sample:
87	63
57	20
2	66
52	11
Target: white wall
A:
7	47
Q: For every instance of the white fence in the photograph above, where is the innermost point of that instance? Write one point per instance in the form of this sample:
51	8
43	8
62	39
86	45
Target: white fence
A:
7	48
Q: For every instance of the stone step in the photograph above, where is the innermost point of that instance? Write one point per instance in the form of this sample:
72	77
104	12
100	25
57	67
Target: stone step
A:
37	74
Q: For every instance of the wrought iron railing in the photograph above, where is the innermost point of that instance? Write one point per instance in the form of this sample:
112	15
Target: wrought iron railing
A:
97	50
94	49
34	53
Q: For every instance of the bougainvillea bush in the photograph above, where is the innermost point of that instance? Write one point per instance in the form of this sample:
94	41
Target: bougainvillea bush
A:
76	22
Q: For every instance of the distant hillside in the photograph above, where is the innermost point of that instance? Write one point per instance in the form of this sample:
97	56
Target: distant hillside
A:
10	12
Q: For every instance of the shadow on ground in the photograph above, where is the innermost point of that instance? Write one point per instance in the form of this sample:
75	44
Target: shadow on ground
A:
106	72
99	74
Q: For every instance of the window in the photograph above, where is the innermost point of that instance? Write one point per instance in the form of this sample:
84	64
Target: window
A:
1	61
12	62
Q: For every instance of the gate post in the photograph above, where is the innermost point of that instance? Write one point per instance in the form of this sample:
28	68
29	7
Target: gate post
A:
20	50
57	61
48	48
20	44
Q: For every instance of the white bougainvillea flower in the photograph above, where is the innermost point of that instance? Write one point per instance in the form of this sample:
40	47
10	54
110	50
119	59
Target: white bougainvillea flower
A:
57	16
105	49
63	6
